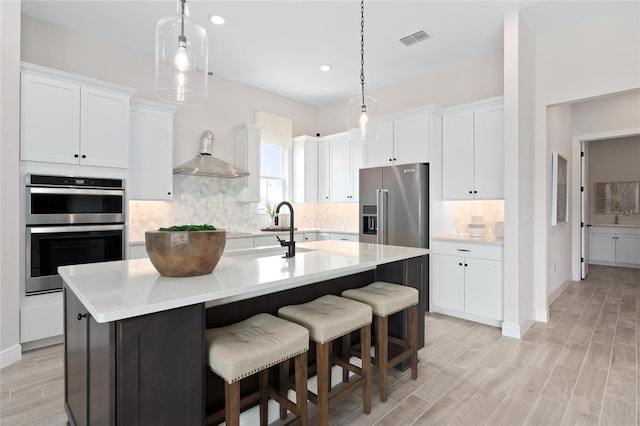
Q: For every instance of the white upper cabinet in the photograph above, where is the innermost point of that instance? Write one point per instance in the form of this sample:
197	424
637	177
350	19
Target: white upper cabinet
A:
324	171
247	157
404	138
305	169
150	151
346	160
473	151
66	118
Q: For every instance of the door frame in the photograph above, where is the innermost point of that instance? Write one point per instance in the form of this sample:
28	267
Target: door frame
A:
576	179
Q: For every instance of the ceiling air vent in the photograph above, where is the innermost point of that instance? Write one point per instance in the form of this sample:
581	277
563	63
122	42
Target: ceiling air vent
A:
414	38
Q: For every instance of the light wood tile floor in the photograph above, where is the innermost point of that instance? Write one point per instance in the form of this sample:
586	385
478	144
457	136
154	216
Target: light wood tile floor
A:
580	368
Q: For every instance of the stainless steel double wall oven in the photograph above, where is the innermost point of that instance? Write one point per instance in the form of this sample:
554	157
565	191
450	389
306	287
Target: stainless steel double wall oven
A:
70	220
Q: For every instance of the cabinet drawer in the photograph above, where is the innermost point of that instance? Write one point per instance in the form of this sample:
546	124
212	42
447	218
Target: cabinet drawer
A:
475	250
238	243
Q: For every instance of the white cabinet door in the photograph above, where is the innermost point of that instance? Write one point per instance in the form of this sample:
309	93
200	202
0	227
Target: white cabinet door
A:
340	166
483	288
322	236
104	128
411	139
602	247
238	243
628	249
150	151
357	154
457	156
310	236
380	151
305	170
448	282
488	148
50	120
324	172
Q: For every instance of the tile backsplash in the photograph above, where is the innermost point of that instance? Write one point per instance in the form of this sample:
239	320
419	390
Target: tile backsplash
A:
198	200
461	212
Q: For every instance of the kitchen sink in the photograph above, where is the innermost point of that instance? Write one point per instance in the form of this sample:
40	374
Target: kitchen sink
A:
262	252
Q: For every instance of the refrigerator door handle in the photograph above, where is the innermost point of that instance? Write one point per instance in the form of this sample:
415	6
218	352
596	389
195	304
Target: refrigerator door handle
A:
382	209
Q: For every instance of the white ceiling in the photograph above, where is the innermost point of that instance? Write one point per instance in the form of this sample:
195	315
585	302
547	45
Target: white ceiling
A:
279	46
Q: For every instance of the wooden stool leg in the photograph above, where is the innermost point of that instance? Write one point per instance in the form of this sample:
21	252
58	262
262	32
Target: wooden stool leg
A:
232	403
382	354
324	381
301	387
413	340
263	383
365	356
282	380
346	354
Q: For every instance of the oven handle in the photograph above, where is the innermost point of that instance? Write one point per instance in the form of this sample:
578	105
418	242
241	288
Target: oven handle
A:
76	228
33	190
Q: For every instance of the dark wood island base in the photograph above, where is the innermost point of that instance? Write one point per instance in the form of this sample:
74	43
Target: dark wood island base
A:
151	369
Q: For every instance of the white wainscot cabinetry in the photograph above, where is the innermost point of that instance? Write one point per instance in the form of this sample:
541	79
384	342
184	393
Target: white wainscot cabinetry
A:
405	138
473	151
614	245
151	151
345	163
305	169
247	157
70	119
467	281
324	170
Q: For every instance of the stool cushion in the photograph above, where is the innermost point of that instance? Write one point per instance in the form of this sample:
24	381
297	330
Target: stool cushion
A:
384	298
328	317
247	347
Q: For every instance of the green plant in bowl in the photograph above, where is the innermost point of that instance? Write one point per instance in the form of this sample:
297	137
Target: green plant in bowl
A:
185	250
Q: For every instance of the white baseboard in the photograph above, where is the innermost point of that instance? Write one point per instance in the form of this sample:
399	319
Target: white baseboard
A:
510	329
542	315
10	355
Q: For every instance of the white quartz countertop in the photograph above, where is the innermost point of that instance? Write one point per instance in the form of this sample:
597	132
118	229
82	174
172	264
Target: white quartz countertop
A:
112	291
487	239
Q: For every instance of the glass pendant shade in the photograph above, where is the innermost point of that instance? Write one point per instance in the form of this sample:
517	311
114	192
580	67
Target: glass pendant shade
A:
362	121
182	64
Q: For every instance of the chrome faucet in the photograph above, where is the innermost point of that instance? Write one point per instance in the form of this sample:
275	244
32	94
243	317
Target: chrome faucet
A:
291	244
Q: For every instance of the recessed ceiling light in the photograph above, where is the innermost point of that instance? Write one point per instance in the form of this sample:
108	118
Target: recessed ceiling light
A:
325	67
216	19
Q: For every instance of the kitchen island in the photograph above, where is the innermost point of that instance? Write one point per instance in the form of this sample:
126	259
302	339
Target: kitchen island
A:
134	347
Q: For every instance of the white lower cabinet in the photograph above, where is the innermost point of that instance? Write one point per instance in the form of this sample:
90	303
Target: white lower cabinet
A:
614	245
467	281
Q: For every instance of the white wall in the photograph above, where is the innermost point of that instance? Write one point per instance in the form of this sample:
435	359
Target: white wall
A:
228	103
588	60
458	83
10	245
600	115
559	138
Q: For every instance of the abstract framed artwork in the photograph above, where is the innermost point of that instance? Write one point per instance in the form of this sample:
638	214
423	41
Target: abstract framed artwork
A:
559	189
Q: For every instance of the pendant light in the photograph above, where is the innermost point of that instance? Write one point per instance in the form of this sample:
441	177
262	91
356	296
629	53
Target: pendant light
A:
182	51
362	108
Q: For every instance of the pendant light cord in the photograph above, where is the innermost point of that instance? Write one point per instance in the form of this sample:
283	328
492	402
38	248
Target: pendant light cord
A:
182	3
364	107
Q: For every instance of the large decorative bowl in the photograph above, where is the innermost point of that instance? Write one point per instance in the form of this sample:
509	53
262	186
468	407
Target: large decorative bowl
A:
185	253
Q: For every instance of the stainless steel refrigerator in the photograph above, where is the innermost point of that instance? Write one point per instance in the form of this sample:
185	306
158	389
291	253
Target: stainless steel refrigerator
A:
394	205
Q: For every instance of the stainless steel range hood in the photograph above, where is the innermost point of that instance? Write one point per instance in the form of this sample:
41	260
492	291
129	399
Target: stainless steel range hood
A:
207	165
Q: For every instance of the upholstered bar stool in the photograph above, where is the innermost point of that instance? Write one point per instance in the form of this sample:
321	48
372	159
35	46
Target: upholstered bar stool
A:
386	299
328	318
252	346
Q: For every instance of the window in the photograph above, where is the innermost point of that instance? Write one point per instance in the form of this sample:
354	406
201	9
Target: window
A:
273	174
